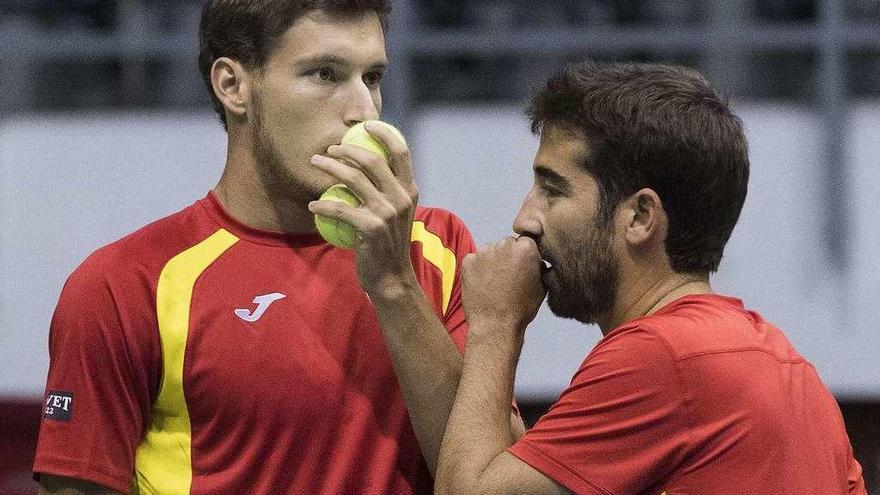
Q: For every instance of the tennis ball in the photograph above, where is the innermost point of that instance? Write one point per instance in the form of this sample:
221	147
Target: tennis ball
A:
337	232
340	234
359	136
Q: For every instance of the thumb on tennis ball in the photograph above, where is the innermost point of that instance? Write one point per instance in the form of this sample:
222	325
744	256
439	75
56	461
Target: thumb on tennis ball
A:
357	135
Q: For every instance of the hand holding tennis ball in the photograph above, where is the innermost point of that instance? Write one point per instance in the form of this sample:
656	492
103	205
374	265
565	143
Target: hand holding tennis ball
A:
359	136
338	232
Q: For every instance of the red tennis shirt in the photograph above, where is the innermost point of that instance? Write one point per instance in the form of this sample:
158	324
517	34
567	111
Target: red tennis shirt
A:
701	397
201	356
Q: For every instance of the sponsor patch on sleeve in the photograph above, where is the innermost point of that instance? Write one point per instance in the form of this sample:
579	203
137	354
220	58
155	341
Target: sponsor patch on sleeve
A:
59	406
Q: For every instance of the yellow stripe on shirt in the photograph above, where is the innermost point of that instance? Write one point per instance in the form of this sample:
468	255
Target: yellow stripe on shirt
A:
163	463
438	255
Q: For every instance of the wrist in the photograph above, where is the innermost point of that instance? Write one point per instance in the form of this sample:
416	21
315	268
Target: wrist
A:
495	349
394	288
495	324
495	334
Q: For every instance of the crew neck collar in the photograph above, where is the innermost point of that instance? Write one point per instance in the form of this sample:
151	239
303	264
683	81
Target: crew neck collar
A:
258	236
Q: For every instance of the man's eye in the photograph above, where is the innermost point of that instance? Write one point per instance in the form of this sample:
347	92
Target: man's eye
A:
550	191
372	78
325	74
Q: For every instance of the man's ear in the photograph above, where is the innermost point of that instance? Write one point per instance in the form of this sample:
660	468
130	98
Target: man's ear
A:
646	219
232	85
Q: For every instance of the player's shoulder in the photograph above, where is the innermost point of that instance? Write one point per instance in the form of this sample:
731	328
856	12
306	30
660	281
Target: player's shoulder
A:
702	324
143	253
666	335
633	352
434	216
635	341
444	224
680	327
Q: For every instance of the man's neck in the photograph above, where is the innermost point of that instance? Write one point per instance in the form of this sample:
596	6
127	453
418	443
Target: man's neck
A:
648	295
245	197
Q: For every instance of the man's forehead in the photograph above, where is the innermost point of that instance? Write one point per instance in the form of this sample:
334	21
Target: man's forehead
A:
318	34
562	143
361	24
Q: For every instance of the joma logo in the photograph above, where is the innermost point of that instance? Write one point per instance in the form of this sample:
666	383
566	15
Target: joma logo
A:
262	303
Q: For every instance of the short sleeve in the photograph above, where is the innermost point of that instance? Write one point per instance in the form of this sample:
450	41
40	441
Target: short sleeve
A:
444	241
618	429
104	362
454	320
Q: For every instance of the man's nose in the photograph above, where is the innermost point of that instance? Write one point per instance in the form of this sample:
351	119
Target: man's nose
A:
363	106
528	219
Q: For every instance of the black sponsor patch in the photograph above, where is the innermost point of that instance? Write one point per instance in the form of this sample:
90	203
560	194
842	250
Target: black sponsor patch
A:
59	406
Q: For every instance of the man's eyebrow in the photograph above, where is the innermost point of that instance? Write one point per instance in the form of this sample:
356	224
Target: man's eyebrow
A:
548	175
330	58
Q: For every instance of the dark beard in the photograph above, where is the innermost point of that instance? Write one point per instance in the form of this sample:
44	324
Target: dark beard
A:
275	178
582	284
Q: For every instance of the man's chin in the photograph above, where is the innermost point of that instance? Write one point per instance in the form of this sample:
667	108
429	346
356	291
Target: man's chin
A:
563	305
